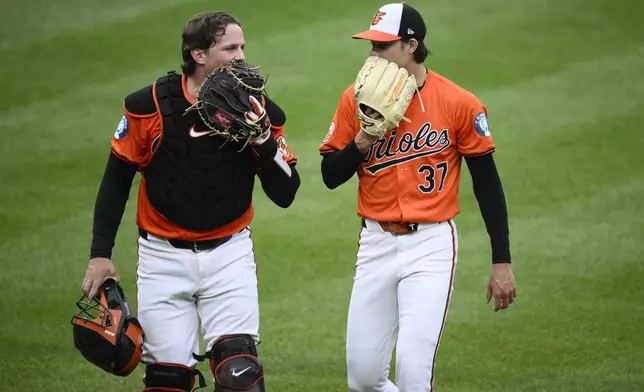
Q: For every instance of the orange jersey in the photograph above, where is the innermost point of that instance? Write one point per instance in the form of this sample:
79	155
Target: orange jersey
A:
412	173
135	141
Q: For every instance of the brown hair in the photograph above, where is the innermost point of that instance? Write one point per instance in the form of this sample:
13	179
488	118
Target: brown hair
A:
421	52
202	32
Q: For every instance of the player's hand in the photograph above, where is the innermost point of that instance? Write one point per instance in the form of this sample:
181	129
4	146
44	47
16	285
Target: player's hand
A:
99	270
364	141
258	118
501	286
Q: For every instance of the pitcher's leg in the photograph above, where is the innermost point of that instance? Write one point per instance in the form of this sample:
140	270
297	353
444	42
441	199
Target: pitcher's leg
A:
373	316
371	335
423	301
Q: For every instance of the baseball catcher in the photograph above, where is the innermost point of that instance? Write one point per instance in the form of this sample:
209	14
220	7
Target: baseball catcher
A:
231	102
202	140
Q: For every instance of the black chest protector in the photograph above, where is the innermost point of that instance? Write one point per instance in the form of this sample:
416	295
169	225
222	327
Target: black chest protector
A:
193	179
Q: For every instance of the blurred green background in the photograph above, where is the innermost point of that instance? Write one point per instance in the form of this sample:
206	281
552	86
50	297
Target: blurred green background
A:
564	85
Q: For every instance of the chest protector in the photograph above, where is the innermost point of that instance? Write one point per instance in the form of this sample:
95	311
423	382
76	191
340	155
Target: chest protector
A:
195	181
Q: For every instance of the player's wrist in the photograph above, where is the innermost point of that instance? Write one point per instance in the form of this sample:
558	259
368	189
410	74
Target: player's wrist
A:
501	250
364	141
267	148
261	139
362	147
354	151
100	254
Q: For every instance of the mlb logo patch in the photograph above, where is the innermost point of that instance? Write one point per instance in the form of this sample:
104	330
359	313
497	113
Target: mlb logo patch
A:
481	125
122	129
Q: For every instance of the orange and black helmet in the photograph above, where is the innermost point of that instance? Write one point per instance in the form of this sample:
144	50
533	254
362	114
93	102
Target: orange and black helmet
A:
106	331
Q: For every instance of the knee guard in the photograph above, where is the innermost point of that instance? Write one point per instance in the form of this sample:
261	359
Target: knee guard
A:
171	377
234	363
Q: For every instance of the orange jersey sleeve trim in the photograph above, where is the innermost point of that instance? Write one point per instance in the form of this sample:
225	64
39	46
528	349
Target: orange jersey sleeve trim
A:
489	151
123	158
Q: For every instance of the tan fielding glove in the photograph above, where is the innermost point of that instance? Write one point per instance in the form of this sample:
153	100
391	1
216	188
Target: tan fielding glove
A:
382	92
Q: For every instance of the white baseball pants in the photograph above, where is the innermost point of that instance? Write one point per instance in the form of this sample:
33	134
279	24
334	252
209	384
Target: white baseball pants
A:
179	290
400	297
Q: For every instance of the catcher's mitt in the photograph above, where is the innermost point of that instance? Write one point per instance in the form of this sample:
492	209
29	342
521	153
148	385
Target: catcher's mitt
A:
382	92
230	101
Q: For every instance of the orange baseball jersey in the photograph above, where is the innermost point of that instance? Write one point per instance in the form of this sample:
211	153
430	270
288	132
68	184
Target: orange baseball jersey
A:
135	141
412	173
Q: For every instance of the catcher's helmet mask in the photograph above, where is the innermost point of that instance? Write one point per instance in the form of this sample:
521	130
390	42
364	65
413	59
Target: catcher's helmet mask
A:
106	332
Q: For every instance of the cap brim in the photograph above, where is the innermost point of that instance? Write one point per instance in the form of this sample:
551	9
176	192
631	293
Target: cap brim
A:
378	36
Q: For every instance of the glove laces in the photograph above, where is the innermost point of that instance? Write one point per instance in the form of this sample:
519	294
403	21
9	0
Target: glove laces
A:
420	99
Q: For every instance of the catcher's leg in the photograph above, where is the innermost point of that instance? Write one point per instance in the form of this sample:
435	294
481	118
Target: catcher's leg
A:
234	363
228	306
167	278
171	377
228	301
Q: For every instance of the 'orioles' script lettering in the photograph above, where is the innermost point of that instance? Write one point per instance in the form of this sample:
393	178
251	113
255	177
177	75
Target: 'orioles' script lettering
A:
384	153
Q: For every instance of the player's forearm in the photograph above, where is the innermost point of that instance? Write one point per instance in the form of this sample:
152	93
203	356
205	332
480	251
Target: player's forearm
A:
491	199
110	205
280	181
339	166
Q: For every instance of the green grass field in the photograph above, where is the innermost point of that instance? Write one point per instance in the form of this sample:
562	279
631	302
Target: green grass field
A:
563	82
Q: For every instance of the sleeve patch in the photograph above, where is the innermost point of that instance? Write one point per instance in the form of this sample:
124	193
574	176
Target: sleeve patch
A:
329	134
122	129
283	146
481	125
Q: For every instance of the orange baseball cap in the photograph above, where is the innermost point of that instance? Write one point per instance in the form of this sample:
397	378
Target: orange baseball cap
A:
393	22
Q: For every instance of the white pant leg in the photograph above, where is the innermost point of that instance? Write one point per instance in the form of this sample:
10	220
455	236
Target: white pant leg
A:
167	279
424	292
227	299
372	319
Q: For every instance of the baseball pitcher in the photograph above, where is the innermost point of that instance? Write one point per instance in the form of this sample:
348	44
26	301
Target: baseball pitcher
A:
404	130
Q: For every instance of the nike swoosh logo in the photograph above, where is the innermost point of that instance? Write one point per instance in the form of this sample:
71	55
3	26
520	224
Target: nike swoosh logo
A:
237	374
195	133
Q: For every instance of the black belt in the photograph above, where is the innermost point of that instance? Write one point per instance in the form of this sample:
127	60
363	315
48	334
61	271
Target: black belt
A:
192	245
396	228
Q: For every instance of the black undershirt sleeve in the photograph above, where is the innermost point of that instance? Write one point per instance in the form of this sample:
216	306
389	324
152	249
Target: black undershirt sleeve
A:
278	182
110	204
491	199
339	166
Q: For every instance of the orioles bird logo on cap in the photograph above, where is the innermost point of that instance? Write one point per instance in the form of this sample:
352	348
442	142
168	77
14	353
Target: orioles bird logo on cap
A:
378	17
